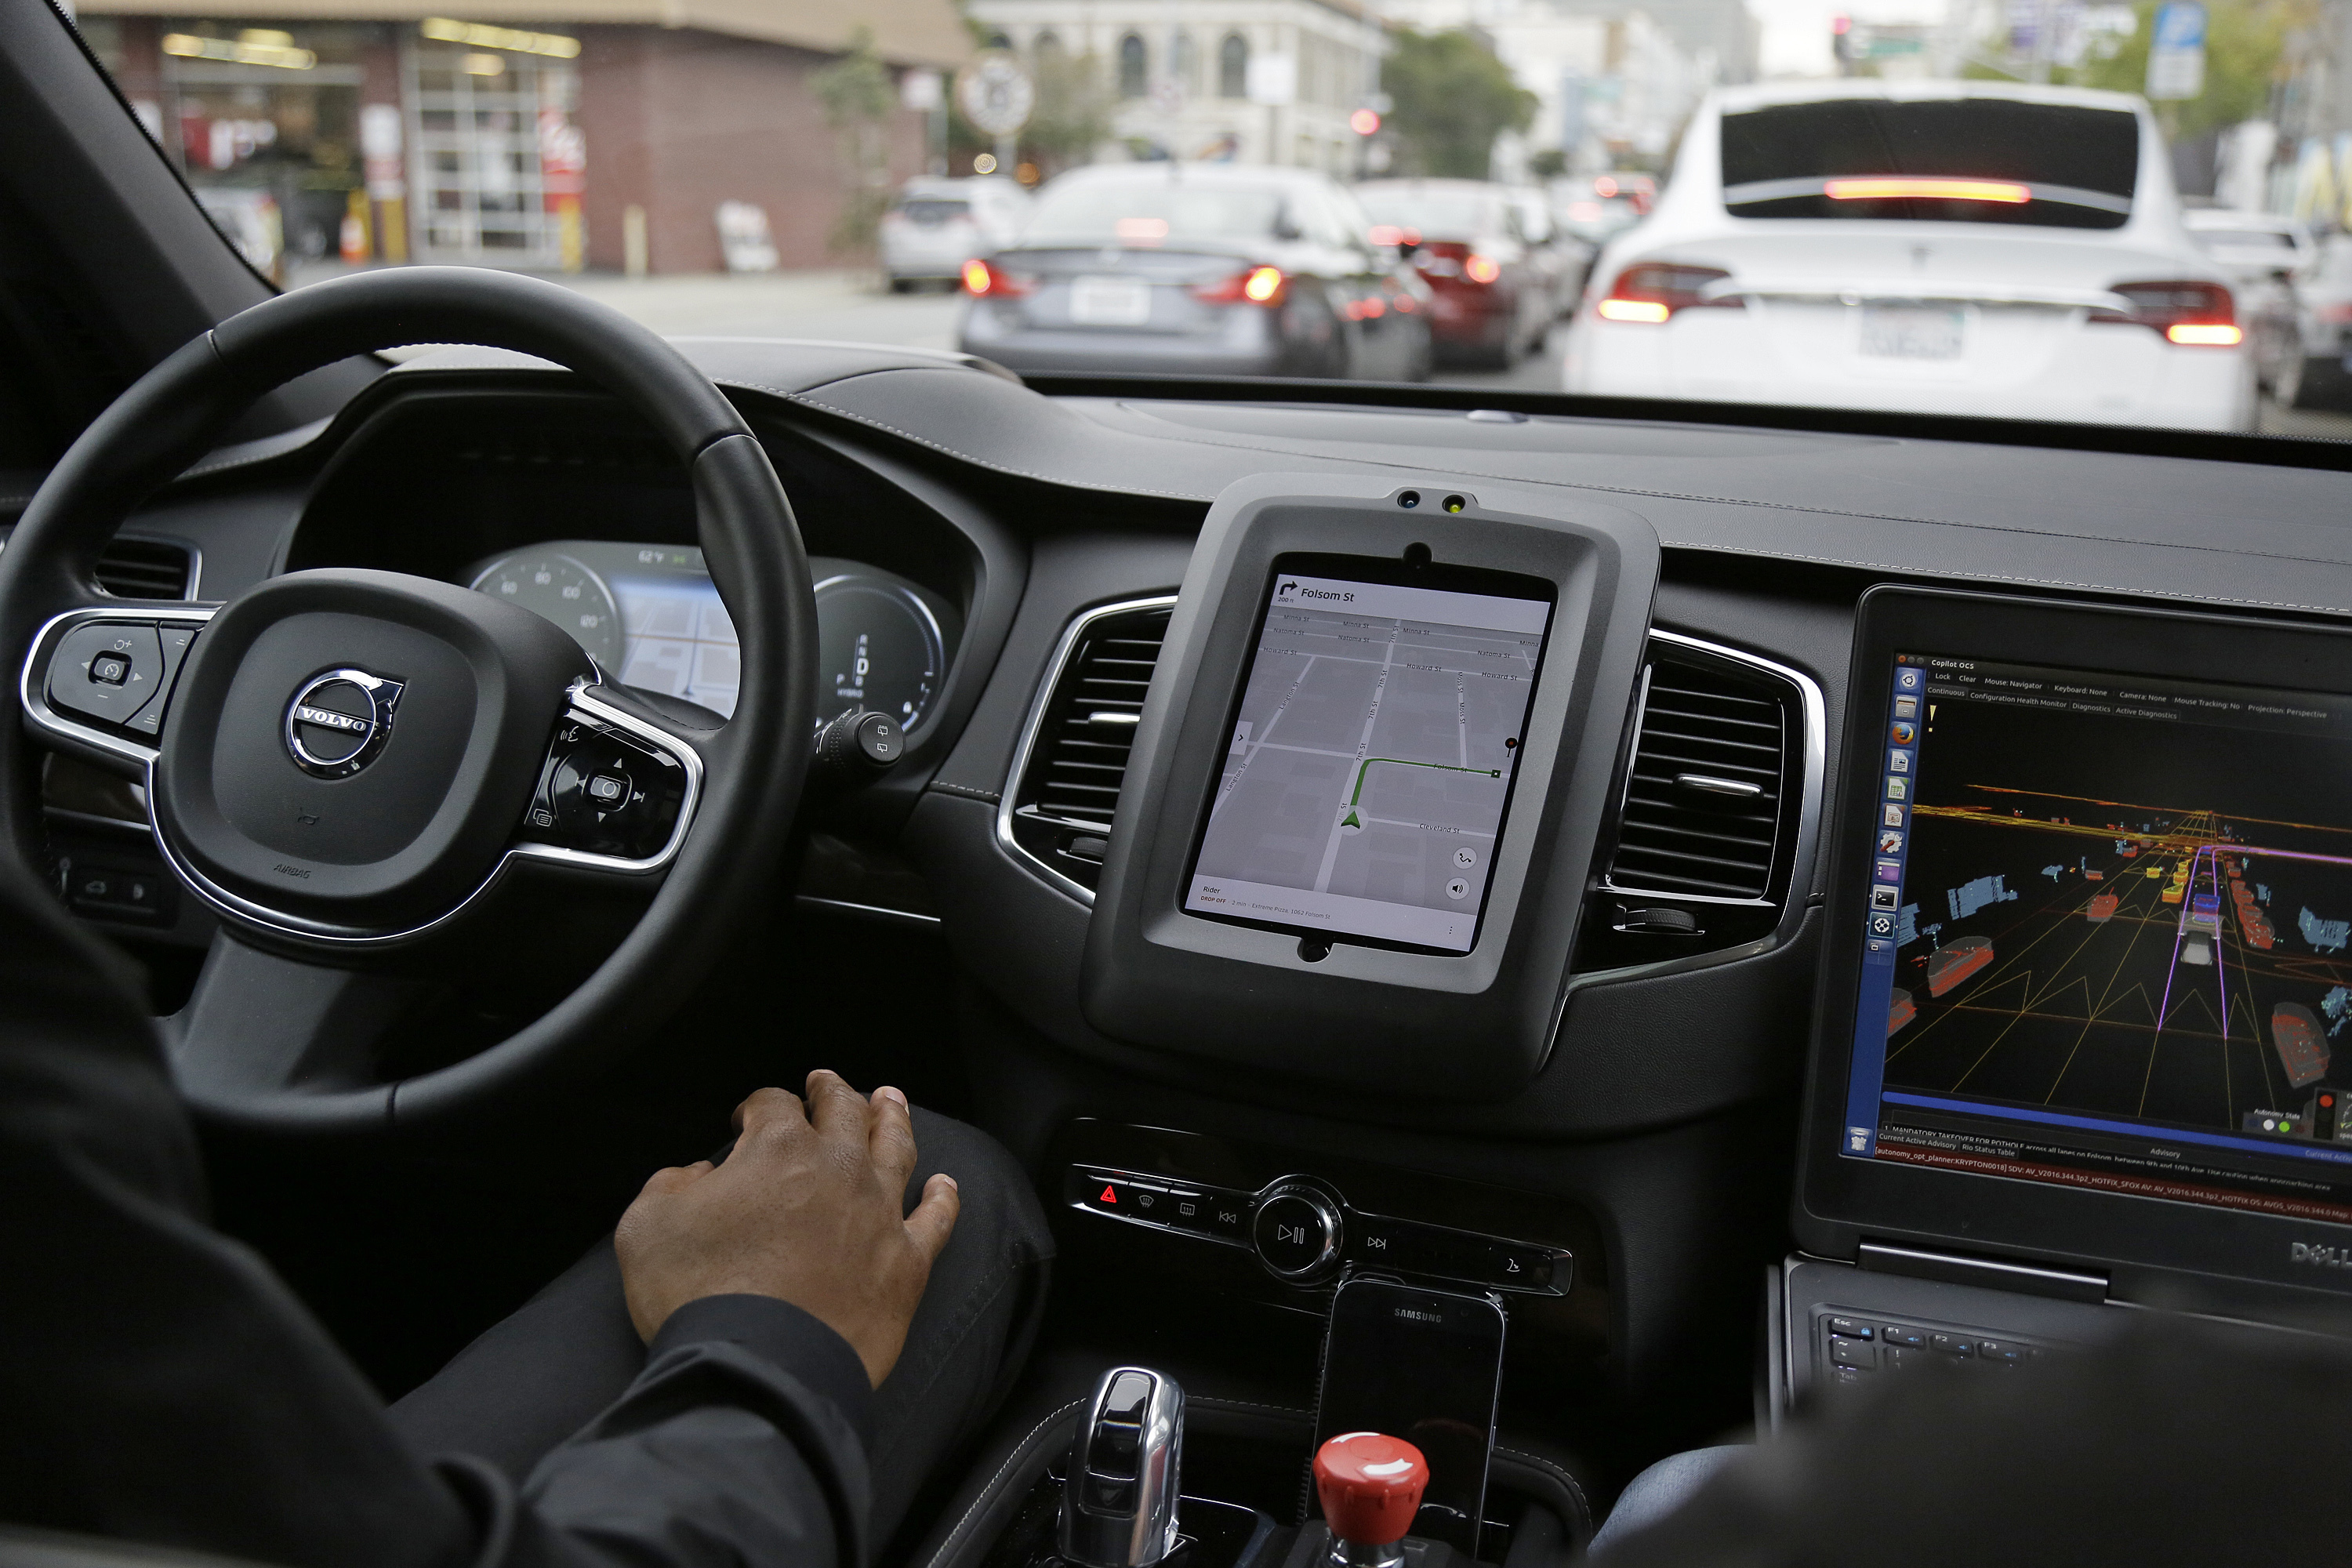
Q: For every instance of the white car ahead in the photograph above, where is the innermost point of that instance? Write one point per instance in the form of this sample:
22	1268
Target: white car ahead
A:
1950	248
936	225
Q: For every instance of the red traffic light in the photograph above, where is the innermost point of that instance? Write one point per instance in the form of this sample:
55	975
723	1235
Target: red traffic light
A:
1364	122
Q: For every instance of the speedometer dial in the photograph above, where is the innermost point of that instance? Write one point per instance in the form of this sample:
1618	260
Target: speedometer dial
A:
879	649
565	592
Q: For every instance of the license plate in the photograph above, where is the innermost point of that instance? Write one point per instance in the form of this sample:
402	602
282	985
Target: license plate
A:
1912	331
1110	302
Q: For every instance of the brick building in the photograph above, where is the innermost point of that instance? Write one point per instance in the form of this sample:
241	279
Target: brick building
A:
548	134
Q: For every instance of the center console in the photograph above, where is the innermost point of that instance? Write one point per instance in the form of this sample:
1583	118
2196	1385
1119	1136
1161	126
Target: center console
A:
1377	751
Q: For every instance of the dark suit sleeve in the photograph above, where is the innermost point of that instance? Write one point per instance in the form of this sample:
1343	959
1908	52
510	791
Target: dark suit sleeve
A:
161	1384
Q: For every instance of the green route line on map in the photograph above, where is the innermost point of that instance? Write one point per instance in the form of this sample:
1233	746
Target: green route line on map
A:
1365	766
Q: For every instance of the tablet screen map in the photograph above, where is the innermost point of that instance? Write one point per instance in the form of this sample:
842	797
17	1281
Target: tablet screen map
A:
1364	785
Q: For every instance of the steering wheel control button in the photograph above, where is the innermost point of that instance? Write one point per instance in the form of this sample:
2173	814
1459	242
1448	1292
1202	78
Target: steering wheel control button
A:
107	670
176	640
340	721
1297	1233
605	792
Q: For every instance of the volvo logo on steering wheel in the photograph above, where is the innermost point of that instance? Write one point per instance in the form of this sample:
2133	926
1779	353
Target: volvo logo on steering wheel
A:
338	722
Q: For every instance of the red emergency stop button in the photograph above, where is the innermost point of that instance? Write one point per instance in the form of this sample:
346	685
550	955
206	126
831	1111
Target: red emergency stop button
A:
1371	1486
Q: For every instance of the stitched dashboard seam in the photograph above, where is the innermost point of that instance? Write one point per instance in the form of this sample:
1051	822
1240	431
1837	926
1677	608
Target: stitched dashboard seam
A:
967	791
1905	570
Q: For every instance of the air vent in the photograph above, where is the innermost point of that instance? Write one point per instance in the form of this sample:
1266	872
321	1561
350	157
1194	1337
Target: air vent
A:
1073	759
1703	798
144	569
1722	784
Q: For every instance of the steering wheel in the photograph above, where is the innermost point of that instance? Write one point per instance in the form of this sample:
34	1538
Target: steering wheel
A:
366	774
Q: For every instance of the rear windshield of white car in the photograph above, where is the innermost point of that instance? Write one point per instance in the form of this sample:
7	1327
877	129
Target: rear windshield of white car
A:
1434	214
1153	212
1982	160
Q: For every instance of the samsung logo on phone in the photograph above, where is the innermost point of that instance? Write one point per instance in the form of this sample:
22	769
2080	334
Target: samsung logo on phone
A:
1432	1317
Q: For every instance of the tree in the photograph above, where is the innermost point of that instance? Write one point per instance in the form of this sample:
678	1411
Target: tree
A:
1073	112
2243	39
1452	98
857	97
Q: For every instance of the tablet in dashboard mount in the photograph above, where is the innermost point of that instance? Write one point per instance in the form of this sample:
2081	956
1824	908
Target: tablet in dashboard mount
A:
1361	806
2087	997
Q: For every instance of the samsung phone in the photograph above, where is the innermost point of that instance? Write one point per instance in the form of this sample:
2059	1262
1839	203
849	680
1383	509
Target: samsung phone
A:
1424	1365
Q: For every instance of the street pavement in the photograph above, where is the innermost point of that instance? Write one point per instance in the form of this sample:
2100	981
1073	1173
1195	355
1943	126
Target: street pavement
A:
853	306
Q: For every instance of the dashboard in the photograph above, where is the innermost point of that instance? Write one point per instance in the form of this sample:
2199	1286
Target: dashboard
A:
1544	868
648	614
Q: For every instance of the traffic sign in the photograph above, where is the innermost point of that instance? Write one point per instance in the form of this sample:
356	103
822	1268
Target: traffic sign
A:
995	94
2175	54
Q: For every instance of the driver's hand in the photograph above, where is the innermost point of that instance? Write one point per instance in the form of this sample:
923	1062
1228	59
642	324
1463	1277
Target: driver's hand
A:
806	1209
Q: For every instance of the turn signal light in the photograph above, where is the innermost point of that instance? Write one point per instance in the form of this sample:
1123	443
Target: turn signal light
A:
1652	291
983	278
1481	268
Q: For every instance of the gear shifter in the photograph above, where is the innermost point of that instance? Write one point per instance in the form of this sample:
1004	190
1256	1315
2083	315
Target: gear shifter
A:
1119	1506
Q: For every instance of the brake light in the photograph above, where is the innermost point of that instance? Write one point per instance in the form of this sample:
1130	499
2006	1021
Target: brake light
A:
1259	286
1652	291
1481	268
1879	189
1392	234
2189	312
981	278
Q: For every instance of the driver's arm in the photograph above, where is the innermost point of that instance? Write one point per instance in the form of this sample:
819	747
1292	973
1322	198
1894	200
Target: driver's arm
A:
158	1383
774	1294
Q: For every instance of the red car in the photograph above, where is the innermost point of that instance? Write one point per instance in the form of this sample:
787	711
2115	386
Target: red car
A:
1493	295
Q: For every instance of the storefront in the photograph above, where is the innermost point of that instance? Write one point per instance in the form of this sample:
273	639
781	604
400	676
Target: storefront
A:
322	133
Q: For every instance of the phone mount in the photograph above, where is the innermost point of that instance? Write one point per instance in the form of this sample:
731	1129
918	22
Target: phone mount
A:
1119	1506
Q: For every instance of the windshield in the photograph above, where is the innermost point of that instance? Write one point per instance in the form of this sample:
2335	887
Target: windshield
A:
2117	213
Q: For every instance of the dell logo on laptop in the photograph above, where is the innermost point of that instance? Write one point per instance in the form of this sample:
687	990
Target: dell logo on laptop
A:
2318	1256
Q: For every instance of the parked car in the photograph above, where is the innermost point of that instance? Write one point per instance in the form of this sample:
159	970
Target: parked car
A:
1958	248
2263	253
935	225
2313	365
1206	269
1564	256
1467	237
